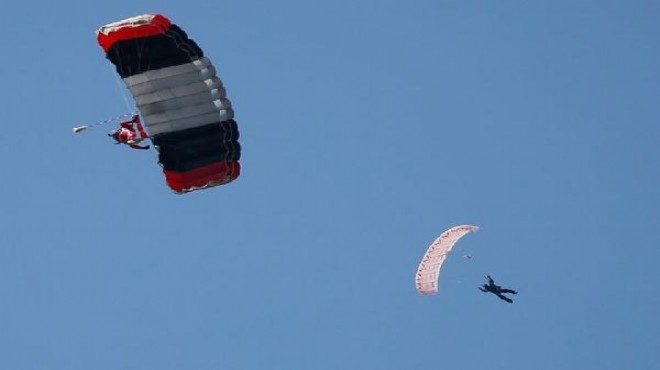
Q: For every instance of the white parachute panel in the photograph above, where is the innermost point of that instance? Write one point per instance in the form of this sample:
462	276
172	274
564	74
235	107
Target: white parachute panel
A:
428	272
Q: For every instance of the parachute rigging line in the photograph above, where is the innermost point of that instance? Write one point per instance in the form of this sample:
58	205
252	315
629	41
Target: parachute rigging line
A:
82	128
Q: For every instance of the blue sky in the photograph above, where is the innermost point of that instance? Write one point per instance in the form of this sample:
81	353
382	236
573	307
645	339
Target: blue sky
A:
368	128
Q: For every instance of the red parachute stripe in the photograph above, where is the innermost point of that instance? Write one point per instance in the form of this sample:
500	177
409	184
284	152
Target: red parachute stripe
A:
158	25
212	175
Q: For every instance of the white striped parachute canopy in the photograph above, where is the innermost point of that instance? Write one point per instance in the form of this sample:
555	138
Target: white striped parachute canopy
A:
181	100
429	269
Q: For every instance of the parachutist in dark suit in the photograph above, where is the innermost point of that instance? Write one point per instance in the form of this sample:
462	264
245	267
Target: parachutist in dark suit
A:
491	287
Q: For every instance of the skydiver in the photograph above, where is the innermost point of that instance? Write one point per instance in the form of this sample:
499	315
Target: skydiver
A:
491	287
125	134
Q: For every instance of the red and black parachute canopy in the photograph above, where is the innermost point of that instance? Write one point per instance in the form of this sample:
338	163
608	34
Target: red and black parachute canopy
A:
181	99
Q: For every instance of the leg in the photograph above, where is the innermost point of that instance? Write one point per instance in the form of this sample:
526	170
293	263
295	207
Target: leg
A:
506	299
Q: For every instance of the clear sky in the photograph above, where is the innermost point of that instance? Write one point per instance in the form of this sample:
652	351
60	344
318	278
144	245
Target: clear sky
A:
368	128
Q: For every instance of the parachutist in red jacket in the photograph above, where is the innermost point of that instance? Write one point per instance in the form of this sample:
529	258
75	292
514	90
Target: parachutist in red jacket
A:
126	133
491	287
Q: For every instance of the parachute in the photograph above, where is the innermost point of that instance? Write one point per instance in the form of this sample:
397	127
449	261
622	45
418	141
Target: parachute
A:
429	269
182	101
